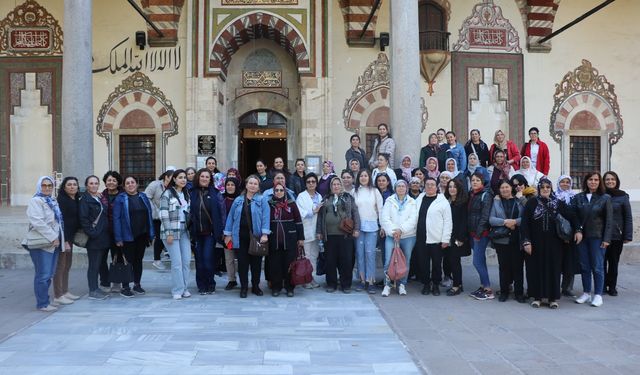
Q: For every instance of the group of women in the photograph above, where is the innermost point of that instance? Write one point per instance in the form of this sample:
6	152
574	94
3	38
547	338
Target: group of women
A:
435	214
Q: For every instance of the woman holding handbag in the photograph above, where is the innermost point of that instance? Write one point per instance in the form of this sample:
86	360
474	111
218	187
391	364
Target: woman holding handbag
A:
44	239
174	213
206	228
338	224
133	230
398	219
248	220
505	222
286	236
95	223
68	201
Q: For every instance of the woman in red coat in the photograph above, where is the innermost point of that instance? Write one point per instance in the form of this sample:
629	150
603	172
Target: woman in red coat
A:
500	142
537	151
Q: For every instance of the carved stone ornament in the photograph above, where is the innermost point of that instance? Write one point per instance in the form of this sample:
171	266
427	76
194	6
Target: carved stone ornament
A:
486	29
30	30
587	80
130	90
376	77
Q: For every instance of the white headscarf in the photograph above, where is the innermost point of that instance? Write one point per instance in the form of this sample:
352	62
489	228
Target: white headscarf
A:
565	195
531	174
455	171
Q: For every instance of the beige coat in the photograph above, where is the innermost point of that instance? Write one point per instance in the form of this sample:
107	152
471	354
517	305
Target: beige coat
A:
43	219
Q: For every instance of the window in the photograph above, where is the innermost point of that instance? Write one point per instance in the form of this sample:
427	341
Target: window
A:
432	21
584	157
138	158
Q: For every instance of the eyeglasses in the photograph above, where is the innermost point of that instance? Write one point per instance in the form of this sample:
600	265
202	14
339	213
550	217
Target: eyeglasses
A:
279	190
48	186
545	187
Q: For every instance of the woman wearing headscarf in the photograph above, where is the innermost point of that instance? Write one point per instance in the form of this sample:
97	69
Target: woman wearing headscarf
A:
286	236
337	207
570	263
415	187
475	145
443	181
473	165
433	149
622	230
383	144
432	168
542	245
452	168
595	214
499	170
231	192
531	174
328	173
68	201
398	218
309	203
500	142
406	167
45	218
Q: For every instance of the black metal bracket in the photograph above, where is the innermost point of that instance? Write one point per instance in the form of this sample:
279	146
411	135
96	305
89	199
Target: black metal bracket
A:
579	19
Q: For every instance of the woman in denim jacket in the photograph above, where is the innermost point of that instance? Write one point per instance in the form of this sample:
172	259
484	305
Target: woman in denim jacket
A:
248	210
174	213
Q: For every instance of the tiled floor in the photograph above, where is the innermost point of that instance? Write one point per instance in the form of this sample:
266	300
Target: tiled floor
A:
312	333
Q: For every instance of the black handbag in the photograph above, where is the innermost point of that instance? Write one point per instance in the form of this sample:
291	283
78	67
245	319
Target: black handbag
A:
496	233
563	228
321	264
256	248
120	272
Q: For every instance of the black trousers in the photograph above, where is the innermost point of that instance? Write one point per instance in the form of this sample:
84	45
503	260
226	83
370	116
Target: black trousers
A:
246	262
510	264
279	261
94	256
570	265
338	253
430	262
452	258
611	260
104	265
157	242
446	267
134	252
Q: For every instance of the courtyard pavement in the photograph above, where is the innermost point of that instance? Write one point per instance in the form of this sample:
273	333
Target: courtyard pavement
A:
316	332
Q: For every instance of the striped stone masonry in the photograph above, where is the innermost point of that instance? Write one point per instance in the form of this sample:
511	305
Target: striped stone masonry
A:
355	14
538	16
165	14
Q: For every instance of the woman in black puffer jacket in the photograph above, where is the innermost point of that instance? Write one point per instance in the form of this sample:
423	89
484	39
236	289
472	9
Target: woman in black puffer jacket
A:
622	230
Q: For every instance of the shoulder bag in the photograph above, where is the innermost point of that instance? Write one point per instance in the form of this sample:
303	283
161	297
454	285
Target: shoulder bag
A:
80	238
256	248
120	272
301	270
398	264
496	233
35	240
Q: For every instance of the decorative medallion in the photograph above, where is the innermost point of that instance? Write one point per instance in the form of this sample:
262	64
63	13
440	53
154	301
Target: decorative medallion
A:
486	29
372	90
137	88
29	30
585	87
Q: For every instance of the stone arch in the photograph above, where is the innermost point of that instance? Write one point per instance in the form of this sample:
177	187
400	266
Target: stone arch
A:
137	92
256	25
585	104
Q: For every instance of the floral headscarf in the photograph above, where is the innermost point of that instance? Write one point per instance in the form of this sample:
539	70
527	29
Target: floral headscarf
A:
49	199
432	173
546	205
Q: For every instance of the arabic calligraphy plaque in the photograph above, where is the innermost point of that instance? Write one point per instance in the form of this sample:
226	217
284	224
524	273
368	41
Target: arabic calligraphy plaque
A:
30	39
266	78
259	2
206	144
487	37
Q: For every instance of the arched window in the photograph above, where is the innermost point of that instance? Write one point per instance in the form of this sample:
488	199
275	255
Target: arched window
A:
432	24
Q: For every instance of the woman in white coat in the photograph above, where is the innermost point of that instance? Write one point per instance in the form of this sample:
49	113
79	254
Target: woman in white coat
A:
399	218
309	202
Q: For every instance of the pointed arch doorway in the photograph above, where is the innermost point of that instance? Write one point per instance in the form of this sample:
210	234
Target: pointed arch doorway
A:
262	134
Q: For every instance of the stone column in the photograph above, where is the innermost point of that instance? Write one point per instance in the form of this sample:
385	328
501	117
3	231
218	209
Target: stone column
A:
406	123
77	90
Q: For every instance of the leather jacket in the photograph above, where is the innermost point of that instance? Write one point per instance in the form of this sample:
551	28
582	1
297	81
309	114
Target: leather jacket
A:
622	219
479	208
595	218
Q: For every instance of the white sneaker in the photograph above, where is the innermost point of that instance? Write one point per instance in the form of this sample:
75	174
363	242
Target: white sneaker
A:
71	296
585	297
308	286
63	300
401	290
106	289
177	296
314	284
597	301
386	291
157	264
48	308
186	294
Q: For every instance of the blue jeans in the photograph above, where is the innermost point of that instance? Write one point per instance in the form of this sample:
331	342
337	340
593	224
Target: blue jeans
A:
366	256
592	262
205	264
406	244
480	259
44	263
180	253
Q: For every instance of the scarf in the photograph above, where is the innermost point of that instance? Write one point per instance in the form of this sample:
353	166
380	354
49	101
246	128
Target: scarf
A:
332	171
472	168
545	205
529	173
406	172
565	195
235	182
50	201
279	205
455	172
504	169
434	173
